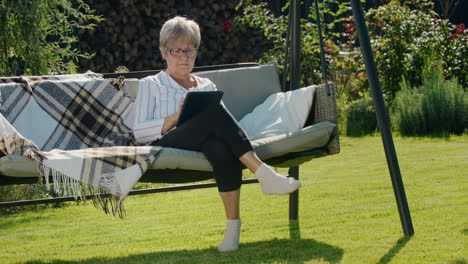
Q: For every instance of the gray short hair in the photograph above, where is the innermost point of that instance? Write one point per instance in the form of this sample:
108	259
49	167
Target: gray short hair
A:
180	28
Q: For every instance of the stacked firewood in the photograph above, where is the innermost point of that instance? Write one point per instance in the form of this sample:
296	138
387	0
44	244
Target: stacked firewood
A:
129	35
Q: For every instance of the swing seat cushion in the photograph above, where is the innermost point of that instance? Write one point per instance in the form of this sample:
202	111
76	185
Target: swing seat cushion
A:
311	137
245	88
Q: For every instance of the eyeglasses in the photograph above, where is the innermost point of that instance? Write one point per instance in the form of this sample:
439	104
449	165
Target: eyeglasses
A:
178	53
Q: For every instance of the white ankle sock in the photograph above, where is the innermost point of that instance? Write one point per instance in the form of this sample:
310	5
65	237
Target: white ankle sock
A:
231	236
275	183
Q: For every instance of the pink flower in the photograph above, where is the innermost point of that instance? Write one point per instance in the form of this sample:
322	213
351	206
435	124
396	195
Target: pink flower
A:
227	26
460	29
435	18
454	36
348	25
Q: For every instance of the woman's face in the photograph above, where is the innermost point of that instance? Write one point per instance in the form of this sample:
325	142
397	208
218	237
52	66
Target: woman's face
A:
180	56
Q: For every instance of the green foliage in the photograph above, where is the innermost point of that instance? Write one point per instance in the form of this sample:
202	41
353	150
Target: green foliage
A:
346	65
408	118
23	192
361	117
39	36
403	38
438	106
258	16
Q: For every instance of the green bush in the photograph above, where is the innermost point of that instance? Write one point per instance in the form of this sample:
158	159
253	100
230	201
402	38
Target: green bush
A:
274	28
39	37
404	35
438	106
258	16
408	118
23	192
361	117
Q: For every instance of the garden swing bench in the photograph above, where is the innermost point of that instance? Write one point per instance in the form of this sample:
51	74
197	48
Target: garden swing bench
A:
245	85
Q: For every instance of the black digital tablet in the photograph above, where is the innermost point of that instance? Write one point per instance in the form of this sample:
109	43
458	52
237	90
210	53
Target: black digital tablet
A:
195	102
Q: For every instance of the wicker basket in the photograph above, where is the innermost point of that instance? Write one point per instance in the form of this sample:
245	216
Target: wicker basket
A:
325	110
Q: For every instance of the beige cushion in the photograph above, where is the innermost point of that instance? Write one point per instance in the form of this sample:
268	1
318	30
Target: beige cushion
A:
281	113
170	158
17	166
311	137
244	88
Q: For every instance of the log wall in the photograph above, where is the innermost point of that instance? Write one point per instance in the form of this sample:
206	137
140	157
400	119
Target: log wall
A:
129	35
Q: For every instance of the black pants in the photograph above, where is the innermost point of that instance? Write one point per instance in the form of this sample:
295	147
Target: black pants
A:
216	134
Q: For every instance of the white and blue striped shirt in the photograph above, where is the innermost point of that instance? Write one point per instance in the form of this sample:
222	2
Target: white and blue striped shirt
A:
158	97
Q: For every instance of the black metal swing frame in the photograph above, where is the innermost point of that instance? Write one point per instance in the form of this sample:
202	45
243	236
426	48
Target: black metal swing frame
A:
293	44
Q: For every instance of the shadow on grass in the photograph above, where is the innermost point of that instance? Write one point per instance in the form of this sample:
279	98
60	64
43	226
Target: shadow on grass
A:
7	221
294	229
433	135
459	261
277	250
465	231
394	250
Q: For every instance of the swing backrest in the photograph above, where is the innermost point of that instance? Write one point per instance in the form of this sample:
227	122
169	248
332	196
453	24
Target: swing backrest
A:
245	88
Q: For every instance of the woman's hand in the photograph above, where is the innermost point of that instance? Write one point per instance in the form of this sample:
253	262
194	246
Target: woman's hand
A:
171	121
179	108
40	154
36	154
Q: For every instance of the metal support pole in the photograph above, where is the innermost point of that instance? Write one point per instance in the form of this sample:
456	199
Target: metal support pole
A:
295	83
133	192
295	72
382	119
187	7
322	51
294	197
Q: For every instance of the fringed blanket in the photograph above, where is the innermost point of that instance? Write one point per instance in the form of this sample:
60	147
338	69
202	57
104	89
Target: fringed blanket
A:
12	143
82	123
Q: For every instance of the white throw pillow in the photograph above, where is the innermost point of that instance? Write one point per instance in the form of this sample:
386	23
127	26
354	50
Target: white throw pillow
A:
280	113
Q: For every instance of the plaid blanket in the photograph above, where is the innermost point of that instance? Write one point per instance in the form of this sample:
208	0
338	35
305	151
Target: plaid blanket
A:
12	143
83	125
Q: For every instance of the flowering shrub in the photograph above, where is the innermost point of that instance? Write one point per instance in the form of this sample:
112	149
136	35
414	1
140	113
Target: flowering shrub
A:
227	26
456	54
347	67
274	28
406	37
403	39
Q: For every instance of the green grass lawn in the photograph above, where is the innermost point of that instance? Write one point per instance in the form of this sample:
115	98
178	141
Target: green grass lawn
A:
348	214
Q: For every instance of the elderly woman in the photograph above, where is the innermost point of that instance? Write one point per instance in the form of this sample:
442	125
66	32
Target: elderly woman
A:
214	131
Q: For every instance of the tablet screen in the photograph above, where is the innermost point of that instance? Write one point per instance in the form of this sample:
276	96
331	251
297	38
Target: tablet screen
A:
196	102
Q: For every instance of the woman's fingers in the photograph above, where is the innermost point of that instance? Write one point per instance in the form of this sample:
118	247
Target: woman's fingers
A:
40	154
35	154
180	106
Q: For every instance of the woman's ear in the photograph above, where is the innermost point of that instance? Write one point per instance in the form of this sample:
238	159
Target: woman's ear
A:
163	52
